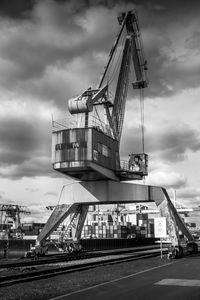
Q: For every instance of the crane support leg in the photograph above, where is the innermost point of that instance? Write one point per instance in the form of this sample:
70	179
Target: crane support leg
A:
81	195
59	214
78	213
173	219
174	225
79	222
174	215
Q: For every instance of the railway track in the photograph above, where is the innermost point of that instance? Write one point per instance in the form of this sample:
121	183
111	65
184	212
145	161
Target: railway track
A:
65	257
47	273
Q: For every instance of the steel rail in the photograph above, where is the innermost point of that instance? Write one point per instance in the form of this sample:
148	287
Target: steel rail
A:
64	257
43	274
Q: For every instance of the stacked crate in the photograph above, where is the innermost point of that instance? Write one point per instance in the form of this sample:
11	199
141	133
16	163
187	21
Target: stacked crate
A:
142	222
146	225
119	231
104	231
150	228
101	226
32	228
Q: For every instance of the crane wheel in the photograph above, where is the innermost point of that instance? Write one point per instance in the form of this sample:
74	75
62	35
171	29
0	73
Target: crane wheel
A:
192	248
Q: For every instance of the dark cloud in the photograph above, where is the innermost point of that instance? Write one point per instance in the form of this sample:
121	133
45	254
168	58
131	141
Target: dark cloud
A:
53	38
52	50
63	81
59	32
169	143
174	142
40	166
21	9
25	148
16	9
168	76
22	139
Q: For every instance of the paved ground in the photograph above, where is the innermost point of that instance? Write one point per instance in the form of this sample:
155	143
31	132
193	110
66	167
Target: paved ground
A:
180	280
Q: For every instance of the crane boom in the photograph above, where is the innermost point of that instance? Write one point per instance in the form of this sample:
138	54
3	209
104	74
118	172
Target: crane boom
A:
121	91
139	62
112	51
133	47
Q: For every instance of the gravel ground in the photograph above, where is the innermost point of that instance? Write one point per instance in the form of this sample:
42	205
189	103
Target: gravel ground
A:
58	285
22	270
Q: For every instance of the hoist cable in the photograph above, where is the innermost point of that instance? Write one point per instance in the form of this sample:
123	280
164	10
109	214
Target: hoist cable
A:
142	116
98	117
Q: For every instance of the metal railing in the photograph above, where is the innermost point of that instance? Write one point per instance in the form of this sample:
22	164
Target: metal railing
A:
80	123
124	164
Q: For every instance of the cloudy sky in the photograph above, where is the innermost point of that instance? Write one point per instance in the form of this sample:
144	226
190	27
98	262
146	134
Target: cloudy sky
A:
52	50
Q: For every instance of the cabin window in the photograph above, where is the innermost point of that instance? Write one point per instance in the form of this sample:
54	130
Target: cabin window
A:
95	155
99	148
105	150
109	152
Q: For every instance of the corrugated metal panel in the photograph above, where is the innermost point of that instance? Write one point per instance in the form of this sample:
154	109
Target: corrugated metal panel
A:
82	145
72	149
71	145
109	161
89	144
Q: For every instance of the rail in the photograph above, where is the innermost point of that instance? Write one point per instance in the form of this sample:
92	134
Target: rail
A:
60	257
73	123
47	273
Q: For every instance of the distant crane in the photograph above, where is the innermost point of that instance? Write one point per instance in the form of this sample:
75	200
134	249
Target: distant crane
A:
50	207
11	212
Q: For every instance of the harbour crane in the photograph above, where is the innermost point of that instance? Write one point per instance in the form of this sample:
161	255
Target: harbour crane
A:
10	214
90	151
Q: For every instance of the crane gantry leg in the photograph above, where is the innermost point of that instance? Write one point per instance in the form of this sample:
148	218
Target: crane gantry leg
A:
82	194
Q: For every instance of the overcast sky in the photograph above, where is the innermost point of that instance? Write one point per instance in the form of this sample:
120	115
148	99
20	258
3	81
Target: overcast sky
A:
53	50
